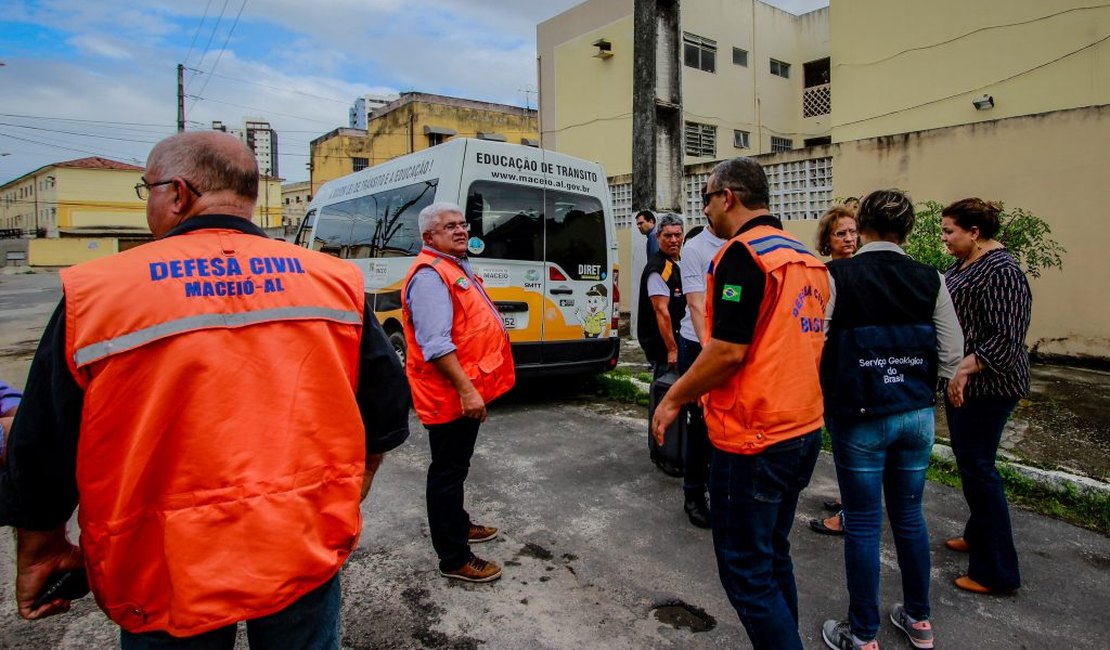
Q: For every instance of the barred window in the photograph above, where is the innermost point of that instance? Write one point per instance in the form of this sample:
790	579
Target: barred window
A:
701	140
780	68
360	164
781	144
700	53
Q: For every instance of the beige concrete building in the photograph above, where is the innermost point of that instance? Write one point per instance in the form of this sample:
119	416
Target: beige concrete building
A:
1008	100
413	122
755	79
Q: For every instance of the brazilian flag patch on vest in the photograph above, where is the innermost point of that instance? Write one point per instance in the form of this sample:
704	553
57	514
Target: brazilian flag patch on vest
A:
731	293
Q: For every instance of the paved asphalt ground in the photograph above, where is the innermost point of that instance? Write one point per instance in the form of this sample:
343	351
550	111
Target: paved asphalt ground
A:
594	539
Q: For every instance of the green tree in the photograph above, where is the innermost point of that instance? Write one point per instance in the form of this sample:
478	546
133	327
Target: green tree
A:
1024	234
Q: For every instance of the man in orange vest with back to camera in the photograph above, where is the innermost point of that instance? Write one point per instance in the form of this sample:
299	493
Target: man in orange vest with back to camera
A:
217	402
765	297
459	360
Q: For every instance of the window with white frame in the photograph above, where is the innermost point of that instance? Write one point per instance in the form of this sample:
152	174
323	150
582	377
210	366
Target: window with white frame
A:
739	57
781	144
741	139
701	140
780	68
699	52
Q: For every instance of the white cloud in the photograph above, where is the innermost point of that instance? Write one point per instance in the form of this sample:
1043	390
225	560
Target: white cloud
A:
100	46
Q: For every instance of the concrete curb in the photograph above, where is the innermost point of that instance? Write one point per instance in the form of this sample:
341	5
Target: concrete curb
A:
1053	478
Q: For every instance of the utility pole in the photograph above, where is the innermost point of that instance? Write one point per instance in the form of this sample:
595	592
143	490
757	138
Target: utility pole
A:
657	107
180	98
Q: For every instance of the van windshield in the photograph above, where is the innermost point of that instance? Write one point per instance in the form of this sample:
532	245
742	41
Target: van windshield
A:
516	222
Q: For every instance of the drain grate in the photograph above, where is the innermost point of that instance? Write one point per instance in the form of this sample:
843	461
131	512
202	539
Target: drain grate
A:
680	615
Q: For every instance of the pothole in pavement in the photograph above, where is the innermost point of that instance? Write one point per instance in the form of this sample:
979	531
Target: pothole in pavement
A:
680	615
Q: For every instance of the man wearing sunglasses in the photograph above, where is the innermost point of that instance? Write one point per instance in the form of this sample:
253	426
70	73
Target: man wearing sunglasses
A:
217	402
765	306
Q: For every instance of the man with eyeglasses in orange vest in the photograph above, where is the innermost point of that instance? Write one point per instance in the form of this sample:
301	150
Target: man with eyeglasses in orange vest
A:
458	361
217	403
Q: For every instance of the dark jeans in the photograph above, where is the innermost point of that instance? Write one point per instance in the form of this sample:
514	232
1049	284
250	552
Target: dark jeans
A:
311	623
875	455
976	429
696	478
452	446
754	498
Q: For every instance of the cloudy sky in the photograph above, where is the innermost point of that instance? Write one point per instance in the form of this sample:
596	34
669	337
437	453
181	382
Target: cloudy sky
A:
98	77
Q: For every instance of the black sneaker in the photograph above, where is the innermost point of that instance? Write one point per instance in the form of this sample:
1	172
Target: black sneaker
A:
698	511
920	633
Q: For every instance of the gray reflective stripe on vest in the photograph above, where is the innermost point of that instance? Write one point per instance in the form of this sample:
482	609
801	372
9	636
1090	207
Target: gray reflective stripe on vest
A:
97	351
770	243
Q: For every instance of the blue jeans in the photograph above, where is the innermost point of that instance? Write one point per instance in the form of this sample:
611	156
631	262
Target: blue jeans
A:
976	429
310	623
452	446
875	455
754	498
696	477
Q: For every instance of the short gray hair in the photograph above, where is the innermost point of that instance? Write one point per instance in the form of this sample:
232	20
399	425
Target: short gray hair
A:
665	219
430	215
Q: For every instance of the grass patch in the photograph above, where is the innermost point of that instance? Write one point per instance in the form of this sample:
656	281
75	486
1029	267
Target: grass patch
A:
1088	510
617	385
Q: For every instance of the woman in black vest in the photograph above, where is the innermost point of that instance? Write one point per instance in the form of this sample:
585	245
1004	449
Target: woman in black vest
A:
993	302
891	331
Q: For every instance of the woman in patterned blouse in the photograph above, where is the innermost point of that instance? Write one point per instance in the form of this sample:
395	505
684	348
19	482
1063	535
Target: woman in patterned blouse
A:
993	302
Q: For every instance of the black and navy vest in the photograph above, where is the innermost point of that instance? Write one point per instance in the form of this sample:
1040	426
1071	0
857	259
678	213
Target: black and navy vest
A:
881	352
647	330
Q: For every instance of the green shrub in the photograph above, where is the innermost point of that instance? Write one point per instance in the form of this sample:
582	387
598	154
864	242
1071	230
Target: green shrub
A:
1024	234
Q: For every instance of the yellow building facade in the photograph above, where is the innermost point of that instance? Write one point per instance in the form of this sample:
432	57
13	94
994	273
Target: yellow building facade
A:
413	122
901	66
747	71
81	209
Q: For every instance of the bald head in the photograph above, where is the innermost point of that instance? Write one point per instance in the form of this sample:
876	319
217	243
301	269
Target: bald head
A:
212	161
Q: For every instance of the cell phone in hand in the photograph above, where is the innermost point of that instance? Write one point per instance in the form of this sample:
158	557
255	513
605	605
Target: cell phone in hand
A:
68	585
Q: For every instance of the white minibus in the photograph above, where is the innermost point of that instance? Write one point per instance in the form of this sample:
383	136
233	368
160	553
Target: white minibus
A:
541	239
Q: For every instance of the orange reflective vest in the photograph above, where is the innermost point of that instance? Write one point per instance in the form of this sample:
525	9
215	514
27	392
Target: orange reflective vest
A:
221	450
776	394
481	345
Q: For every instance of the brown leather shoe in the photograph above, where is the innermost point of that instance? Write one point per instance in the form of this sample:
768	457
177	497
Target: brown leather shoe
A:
967	584
475	570
958	544
479	534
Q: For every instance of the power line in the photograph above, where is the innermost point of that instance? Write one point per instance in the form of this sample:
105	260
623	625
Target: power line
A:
255	108
222	50
212	34
197	32
58	146
281	88
73	119
78	133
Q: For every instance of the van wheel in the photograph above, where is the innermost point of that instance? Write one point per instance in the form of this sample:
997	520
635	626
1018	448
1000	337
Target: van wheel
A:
397	340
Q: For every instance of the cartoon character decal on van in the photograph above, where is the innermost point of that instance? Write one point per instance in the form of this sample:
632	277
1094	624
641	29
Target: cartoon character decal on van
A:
593	322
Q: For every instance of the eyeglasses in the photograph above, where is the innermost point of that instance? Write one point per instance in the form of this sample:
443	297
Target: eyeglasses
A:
706	197
142	190
844	234
456	225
